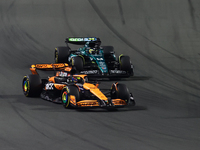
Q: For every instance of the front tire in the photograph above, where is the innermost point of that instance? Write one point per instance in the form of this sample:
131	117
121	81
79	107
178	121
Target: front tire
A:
32	85
120	91
65	95
125	64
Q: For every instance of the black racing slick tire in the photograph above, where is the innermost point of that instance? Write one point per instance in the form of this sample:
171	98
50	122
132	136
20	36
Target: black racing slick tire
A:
32	85
77	62
61	54
125	63
65	96
120	91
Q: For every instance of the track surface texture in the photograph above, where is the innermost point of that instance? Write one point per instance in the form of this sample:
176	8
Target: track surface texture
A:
161	37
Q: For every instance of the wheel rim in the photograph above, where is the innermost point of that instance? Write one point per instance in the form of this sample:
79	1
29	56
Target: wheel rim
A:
64	97
25	86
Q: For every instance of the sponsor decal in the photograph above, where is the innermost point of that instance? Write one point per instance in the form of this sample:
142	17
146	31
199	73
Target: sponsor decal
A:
102	63
49	66
117	72
90	72
82	39
90	39
80	85
63	74
75	39
49	86
99	58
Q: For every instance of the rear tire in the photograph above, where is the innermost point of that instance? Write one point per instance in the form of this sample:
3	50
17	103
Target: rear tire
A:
77	62
61	54
65	95
32	85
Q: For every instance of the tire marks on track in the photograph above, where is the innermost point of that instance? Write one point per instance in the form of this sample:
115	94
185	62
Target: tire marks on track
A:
121	12
66	18
179	77
26	120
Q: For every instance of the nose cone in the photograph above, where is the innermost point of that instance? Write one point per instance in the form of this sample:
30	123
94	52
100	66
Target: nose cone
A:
104	69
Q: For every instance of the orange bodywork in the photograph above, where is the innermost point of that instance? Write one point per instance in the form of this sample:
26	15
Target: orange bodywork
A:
73	100
94	90
68	68
52	79
33	71
59	86
115	84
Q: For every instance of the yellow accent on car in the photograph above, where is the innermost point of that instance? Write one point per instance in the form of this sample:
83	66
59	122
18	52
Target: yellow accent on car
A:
72	61
120	58
82	58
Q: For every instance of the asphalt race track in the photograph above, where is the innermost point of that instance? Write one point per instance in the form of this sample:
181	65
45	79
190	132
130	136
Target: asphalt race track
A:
162	37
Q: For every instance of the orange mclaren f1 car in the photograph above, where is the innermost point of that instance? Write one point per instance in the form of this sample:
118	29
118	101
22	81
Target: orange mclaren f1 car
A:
73	90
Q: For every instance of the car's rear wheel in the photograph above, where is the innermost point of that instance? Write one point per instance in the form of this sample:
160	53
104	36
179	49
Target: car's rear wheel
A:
77	62
32	85
120	91
68	93
61	54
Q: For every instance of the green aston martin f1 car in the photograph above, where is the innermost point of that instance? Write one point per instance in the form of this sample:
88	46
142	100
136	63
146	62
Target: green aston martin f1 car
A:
93	59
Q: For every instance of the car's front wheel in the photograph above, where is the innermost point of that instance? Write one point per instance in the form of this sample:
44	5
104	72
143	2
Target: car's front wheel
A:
120	91
125	64
69	96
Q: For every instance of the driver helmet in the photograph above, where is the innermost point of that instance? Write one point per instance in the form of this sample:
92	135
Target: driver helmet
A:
77	79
